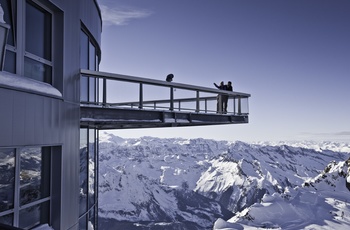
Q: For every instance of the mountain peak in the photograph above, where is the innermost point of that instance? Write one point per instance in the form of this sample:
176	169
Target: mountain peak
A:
204	183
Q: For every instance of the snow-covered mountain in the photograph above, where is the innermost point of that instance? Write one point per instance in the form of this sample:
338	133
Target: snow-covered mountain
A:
152	183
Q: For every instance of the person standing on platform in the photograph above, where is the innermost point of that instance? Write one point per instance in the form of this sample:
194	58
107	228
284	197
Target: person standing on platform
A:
224	98
219	104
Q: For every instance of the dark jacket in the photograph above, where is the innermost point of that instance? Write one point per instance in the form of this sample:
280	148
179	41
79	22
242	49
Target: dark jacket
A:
220	86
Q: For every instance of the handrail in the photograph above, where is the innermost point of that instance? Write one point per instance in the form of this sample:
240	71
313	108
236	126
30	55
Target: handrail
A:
171	85
120	77
189	99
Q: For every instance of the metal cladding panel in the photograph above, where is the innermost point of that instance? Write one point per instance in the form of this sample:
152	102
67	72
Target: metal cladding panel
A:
89	13
33	119
71	51
70	166
51	119
31	128
18	123
25	120
29	119
74	14
6	114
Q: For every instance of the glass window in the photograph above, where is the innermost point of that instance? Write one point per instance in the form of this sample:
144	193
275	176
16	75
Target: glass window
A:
92	219
7	219
34	215
92	56
88	60
84	64
8	16
38	31
92	66
38	43
7	178
92	89
10	62
91	180
83	171
34	175
88	178
37	70
35	27
10	57
84	50
84	85
82	223
25	186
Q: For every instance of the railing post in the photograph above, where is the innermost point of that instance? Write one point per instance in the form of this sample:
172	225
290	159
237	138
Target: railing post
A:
219	105
171	99
197	101
141	96
239	106
234	105
104	92
206	105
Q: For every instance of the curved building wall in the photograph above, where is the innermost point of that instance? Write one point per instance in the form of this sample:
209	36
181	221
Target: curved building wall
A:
40	110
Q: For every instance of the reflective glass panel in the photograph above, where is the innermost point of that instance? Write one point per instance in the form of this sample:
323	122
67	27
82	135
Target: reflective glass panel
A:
37	70
92	219
92	138
7	178
82	223
92	89
83	171
84	85
34	174
34	215
10	62
7	219
6	6
84	51
92	56
38	31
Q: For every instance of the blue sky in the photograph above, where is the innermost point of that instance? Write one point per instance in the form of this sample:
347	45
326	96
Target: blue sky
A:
292	56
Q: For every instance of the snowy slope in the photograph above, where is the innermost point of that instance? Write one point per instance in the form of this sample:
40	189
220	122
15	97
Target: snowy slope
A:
321	203
197	184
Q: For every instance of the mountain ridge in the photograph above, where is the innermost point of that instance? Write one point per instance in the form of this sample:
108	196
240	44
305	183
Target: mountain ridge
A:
142	179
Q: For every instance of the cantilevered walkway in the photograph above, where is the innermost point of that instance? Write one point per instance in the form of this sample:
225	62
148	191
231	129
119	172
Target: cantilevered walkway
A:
116	101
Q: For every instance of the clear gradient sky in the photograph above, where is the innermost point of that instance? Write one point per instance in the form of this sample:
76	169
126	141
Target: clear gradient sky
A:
292	56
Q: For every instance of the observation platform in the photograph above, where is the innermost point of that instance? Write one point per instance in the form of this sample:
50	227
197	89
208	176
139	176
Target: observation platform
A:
114	101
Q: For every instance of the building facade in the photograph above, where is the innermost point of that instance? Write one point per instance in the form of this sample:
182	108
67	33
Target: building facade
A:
48	169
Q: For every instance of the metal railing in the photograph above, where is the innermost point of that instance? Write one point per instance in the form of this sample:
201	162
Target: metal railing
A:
204	100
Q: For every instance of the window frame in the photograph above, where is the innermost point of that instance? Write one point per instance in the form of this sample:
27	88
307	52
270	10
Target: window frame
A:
90	212
89	93
89	87
18	48
34	57
17	207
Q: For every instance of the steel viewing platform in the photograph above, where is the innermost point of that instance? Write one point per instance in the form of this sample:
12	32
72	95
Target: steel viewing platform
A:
117	101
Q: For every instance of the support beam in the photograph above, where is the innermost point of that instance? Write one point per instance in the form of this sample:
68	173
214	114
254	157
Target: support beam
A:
121	118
